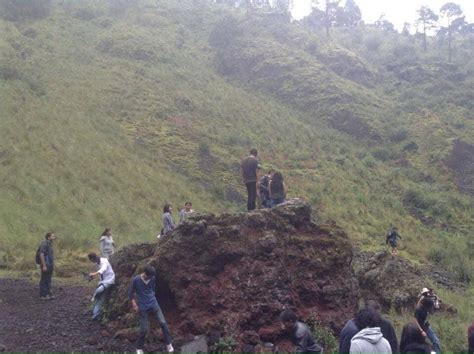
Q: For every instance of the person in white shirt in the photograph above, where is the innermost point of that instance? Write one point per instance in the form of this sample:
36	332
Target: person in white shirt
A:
183	213
107	279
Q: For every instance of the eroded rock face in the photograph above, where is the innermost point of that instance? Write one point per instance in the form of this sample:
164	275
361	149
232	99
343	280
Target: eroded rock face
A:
236	273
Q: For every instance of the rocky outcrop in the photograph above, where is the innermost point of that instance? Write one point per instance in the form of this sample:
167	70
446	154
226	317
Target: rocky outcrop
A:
235	273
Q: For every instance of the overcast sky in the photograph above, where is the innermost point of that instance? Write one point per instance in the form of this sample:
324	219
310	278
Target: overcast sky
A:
396	11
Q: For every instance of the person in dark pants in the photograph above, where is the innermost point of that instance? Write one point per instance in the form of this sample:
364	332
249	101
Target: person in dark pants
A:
250	168
300	334
412	341
143	300
421	315
46	256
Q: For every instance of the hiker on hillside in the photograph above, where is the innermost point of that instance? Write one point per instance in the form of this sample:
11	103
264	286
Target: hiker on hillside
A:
421	315
412	341
167	218
277	190
250	171
369	339
183	213
107	279
263	186
392	237
300	334
107	244
429	293
45	258
143	301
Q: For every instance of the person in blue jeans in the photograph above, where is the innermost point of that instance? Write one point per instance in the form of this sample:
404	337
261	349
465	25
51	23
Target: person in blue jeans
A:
143	301
421	315
107	279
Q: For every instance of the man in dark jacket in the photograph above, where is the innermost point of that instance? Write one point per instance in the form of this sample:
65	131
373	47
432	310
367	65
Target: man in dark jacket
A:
250	168
347	333
300	334
46	258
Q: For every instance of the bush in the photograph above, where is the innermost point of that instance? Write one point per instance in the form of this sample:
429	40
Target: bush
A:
399	135
416	199
224	345
411	147
225	33
18	10
384	154
373	43
323	335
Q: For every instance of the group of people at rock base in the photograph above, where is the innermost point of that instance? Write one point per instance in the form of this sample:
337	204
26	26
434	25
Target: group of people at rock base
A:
270	187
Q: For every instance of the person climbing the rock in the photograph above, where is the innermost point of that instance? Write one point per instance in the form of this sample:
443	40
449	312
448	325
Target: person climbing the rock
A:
263	186
370	338
183	213
107	244
143	301
250	172
45	258
429	293
167	218
412	341
392	237
277	190
300	334
107	280
421	315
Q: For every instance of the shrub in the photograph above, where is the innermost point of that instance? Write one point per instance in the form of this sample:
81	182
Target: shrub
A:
225	33
224	345
416	199
373	43
411	147
18	10
384	154
323	334
399	135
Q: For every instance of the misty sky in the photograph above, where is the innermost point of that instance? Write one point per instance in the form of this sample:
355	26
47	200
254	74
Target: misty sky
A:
396	11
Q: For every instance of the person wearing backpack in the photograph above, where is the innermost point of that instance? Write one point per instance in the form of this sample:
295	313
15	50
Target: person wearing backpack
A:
392	237
45	259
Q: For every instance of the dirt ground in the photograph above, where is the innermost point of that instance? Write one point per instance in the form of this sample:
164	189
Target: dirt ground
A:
28	324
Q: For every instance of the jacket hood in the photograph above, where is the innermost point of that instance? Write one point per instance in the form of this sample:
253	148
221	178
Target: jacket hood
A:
371	335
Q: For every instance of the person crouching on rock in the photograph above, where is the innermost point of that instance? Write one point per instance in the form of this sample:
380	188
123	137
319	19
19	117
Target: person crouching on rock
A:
143	301
301	335
107	279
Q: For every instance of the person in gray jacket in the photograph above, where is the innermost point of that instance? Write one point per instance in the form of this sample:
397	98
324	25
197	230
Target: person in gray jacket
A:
300	334
167	218
370	338
107	244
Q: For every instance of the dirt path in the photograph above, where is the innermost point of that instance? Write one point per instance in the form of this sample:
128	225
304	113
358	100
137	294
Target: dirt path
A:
28	324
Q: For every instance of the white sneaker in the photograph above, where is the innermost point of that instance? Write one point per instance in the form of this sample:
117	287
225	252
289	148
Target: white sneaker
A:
139	351
170	348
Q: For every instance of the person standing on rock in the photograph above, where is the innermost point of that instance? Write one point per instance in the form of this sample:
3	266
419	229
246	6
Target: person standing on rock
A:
46	261
143	301
183	213
250	172
277	190
107	244
107	279
167	218
392	237
370	338
421	316
300	334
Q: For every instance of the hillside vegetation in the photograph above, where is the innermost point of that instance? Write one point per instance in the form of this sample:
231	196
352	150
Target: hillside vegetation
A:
108	112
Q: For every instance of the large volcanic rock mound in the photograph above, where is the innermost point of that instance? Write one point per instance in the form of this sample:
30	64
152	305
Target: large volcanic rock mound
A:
235	273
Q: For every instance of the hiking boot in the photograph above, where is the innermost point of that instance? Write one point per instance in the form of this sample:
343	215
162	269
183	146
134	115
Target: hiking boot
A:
169	348
44	298
139	351
51	297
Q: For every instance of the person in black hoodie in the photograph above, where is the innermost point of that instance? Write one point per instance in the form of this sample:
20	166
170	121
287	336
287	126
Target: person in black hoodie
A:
412	341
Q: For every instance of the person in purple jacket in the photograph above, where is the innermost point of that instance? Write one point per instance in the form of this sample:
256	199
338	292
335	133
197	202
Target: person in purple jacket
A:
143	301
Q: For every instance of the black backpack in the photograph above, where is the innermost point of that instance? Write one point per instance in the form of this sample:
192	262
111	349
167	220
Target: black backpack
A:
38	258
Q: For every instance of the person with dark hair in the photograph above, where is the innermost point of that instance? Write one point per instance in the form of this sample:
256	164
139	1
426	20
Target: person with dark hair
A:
421	315
143	301
412	341
167	218
250	170
264	185
429	293
348	332
300	334
107	244
470	338
386	327
369	339
277	190
107	279
46	262
183	213
392	237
